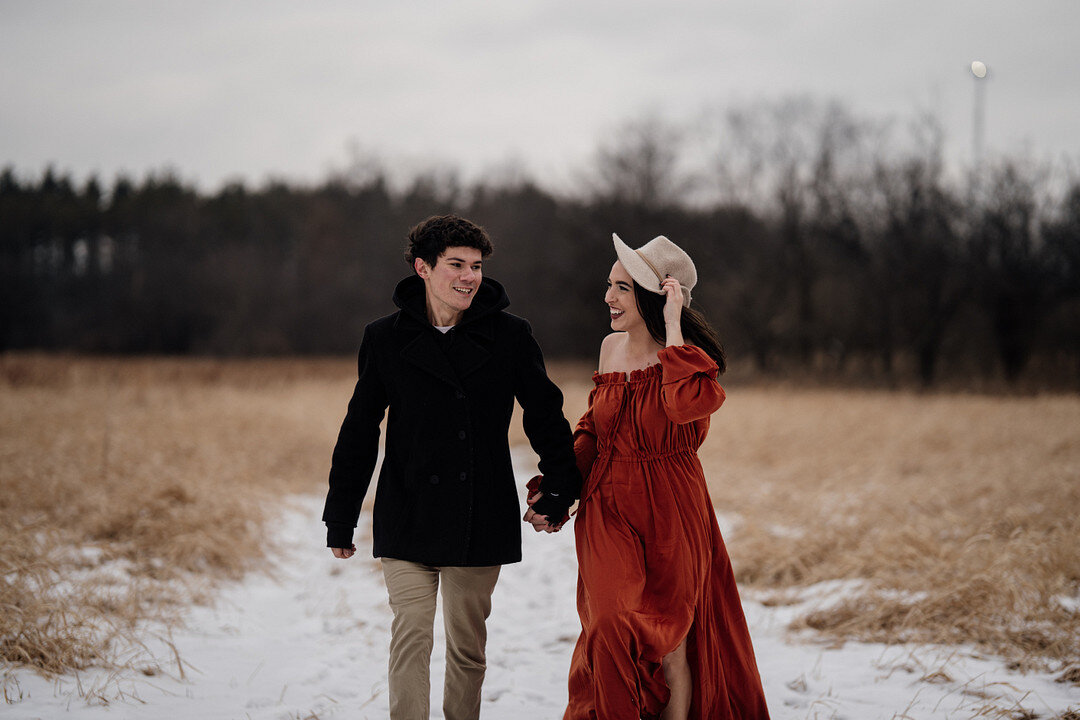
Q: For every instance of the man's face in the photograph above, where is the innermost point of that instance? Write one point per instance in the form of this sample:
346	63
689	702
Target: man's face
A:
452	283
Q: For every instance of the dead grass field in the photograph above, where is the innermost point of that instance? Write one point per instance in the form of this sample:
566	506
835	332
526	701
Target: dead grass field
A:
120	477
958	515
961	513
122	480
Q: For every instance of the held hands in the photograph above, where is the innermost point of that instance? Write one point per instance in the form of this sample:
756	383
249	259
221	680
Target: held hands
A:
673	307
539	522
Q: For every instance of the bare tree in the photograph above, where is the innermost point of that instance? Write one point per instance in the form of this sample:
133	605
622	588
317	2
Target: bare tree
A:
1013	268
640	166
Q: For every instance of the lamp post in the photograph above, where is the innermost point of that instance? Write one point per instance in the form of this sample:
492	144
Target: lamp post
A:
979	72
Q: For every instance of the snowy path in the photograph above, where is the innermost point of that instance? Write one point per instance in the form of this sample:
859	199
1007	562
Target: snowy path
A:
312	644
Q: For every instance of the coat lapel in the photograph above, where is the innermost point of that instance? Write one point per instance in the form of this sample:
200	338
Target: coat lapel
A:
423	352
465	355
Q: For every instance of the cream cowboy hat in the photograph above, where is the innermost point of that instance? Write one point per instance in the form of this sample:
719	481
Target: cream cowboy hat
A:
654	261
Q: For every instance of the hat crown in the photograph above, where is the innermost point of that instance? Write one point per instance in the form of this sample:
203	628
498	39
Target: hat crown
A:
669	259
654	261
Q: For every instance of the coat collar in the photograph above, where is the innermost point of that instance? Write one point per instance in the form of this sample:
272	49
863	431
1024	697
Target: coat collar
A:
468	352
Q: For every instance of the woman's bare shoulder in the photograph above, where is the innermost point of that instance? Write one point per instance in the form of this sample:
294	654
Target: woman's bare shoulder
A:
611	346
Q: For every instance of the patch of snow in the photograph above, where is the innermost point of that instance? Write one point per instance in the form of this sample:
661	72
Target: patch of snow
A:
309	639
1072	604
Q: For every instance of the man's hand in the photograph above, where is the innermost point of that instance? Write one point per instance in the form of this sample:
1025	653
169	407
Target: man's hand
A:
539	522
344	553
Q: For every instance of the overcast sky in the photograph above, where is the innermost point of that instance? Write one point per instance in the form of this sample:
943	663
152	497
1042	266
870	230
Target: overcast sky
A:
223	90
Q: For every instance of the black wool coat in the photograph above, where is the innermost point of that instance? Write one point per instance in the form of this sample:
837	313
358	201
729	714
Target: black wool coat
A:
446	493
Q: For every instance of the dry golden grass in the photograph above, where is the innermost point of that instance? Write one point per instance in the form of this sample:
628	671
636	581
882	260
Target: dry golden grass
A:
962	513
959	515
121	478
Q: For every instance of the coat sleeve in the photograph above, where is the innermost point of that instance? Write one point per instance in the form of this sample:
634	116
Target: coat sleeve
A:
545	425
585	440
689	390
356	451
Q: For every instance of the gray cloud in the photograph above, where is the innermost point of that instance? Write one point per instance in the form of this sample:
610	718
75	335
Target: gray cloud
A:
253	88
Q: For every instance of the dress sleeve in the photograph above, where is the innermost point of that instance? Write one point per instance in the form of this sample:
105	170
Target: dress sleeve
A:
585	440
689	390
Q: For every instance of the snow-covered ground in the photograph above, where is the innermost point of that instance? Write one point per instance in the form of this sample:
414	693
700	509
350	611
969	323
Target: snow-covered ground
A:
309	639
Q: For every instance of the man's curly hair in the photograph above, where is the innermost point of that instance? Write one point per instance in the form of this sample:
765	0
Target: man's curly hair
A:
430	238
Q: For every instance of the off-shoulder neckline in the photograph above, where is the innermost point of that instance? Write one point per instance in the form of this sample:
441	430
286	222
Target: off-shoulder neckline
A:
620	376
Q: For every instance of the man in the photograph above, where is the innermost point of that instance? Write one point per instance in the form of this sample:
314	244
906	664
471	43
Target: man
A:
448	364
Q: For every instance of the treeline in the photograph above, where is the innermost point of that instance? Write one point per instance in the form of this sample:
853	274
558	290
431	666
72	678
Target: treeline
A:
824	242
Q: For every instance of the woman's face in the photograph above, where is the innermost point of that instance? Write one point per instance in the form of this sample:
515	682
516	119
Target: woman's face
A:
620	300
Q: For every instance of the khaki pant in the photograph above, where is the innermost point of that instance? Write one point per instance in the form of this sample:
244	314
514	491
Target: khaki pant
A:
466	600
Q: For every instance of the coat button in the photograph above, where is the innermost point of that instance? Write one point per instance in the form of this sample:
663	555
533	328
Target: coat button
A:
463	476
434	480
461	434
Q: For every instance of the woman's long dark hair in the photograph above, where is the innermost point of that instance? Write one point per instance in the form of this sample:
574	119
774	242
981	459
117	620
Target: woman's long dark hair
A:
696	329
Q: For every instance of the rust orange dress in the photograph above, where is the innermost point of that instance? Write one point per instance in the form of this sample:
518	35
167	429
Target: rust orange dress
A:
652	567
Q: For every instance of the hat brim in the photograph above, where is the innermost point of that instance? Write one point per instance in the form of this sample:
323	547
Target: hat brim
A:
639	270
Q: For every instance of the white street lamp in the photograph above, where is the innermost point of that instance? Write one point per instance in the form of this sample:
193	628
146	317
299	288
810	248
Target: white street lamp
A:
979	72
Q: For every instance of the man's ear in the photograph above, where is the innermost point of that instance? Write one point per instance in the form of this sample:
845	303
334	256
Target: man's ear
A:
422	268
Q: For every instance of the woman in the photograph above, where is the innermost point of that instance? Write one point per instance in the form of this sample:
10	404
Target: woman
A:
663	632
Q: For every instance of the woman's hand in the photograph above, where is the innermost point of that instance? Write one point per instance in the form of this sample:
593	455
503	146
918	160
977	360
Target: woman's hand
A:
673	307
538	521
